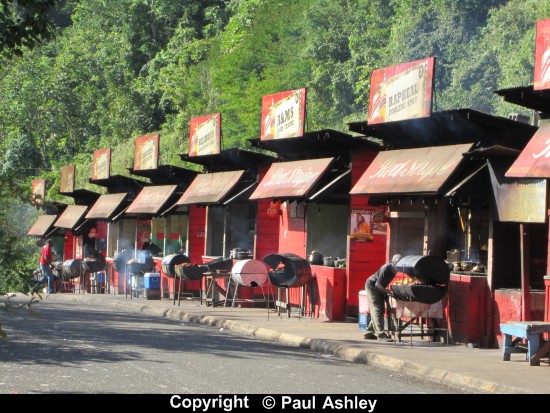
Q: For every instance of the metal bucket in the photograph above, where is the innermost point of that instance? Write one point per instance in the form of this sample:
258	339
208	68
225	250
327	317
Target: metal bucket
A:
288	270
251	273
170	261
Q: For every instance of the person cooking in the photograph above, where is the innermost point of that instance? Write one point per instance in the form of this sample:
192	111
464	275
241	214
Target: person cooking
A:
47	258
377	290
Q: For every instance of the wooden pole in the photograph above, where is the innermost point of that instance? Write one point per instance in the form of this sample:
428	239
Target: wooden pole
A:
525	274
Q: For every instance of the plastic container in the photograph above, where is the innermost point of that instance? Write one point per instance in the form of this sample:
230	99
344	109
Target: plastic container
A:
363	302
364	320
151	280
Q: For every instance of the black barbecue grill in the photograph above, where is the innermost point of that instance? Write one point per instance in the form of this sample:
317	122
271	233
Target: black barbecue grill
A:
96	264
431	275
170	261
72	268
120	259
192	272
288	270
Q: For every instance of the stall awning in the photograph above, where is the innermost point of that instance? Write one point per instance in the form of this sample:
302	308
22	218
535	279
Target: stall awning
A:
534	160
106	206
408	171
151	199
291	179
71	216
210	188
42	225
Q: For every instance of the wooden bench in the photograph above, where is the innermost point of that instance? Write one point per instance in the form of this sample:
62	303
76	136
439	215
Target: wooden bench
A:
529	330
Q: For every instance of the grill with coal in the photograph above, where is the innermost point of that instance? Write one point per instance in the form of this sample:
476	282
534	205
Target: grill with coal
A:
431	277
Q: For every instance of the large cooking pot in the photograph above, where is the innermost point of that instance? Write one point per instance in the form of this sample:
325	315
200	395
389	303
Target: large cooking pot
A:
72	268
240	254
428	269
251	273
315	258
328	261
288	270
170	261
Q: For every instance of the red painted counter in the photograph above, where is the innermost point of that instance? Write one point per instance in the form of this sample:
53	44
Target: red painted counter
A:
328	293
507	307
467	304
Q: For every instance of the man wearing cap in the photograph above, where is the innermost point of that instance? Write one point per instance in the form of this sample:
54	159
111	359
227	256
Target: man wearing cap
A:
47	257
377	290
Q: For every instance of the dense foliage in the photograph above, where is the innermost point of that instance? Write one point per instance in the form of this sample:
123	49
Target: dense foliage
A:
120	69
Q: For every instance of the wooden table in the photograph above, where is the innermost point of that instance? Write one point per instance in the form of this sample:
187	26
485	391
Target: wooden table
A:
212	288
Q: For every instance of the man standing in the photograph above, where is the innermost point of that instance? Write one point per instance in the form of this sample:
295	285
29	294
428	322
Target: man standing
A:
47	257
377	290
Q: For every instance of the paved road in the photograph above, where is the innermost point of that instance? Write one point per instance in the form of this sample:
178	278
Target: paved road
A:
79	348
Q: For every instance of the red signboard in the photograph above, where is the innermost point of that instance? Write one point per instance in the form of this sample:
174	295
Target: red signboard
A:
291	179
67	179
146	154
534	160
70	217
542	56
205	135
151	199
102	164
283	114
401	92
38	191
105	206
210	188
407	171
42	225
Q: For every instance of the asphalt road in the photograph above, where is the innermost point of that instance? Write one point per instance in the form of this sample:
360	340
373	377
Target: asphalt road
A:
75	348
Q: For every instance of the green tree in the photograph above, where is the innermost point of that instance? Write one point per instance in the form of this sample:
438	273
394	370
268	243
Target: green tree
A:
25	24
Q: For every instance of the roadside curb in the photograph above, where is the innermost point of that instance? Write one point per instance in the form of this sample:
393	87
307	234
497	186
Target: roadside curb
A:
343	352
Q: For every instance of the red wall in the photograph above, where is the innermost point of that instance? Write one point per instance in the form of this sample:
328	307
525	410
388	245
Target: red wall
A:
364	258
292	235
267	231
197	233
507	307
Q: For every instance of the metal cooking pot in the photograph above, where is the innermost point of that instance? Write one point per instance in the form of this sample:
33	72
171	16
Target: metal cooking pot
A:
315	258
328	262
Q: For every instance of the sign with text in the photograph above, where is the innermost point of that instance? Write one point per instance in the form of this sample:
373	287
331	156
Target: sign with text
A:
38	188
542	56
205	135
406	171
101	168
517	200
291	179
210	188
67	179
401	92
283	114
534	160
146	154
